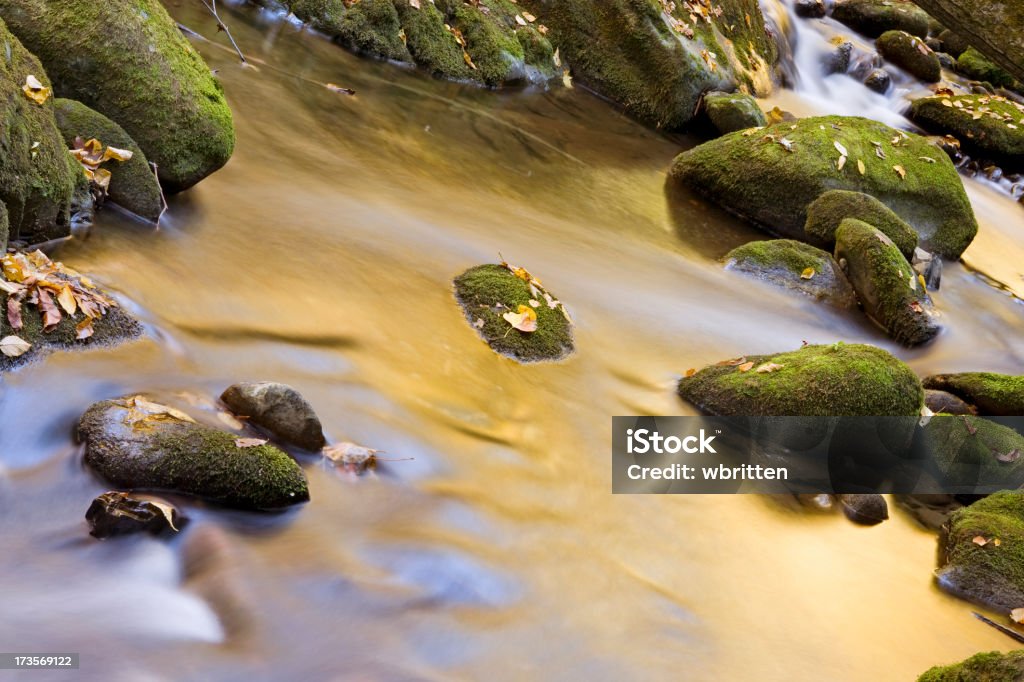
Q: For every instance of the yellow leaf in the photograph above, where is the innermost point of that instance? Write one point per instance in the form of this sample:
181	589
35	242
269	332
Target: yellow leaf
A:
469	61
101	178
808	273
525	319
746	367
768	367
690	372
117	154
901	171
860	167
842	162
1017	615
35	91
529	17
979	540
66	298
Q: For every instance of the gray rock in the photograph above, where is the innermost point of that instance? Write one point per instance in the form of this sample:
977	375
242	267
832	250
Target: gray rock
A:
838	61
867	510
809	9
116	513
941	402
878	80
279	409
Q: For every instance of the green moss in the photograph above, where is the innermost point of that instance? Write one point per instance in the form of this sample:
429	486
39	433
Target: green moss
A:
743	173
974	64
830	209
911	54
875	17
487	292
730	112
991	124
837	380
494	48
966	449
784	262
993	666
372	27
323	15
953	43
4	227
432	46
128	60
993	394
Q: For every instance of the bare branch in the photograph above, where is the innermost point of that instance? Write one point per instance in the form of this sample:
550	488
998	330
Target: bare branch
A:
211	7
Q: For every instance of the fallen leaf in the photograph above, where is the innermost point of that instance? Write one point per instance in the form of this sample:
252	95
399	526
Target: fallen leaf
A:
840	148
808	273
83	329
901	171
34	90
861	167
167	510
520	20
731	363
14	346
916	307
746	367
1017	615
415	4
525	319
841	163
117	154
768	367
339	89
690	372
249	442
66	299
14	313
1011	456
529	17
979	540
51	314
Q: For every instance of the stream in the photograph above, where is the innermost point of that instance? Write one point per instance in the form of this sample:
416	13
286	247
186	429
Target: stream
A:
322	256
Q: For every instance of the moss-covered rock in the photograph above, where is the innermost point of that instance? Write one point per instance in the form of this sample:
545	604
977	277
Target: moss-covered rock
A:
875	17
990	124
974	455
910	54
941	402
991	574
974	64
794	265
37	177
733	111
826	213
836	380
372	27
128	60
995	27
891	293
488	292
993	394
136	444
993	666
132	183
952	43
743	173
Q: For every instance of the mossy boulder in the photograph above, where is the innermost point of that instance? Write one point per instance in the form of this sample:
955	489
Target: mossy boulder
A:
488	292
132	183
995	27
370	27
974	64
910	54
825	214
993	394
973	454
136	444
37	175
796	266
732	111
827	380
990	574
875	17
990	124
993	666
891	293
743	172
127	60
952	43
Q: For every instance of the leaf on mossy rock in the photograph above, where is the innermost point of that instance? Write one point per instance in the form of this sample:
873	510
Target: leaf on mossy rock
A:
808	273
249	442
524	319
35	91
1017	615
14	346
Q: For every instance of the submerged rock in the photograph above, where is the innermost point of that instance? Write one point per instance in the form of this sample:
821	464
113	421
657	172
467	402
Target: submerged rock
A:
128	60
489	293
988	123
132	183
875	17
809	9
733	111
796	266
992	394
995	27
878	80
993	666
891	293
116	513
973	64
279	409
911	54
906	172
975	455
941	402
865	509
829	210
985	571
836	380
140	445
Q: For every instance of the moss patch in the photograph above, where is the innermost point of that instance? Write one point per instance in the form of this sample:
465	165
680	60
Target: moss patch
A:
990	124
372	27
974	64
993	394
830	209
875	17
487	292
785	263
743	173
730	112
966	449
993	666
911	54
837	380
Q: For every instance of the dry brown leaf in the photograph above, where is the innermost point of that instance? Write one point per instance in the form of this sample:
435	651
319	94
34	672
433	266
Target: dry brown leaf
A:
1017	615
769	367
66	299
524	319
1011	456
901	171
83	329
249	442
746	367
14	346
979	540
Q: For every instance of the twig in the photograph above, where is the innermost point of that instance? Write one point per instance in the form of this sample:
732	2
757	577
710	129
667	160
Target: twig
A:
163	199
211	6
49	243
1013	634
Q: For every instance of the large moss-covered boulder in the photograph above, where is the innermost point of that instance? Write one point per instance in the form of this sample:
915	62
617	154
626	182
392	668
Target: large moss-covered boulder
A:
995	27
137	444
974	64
37	175
875	17
891	293
974	455
743	173
732	111
128	60
993	394
796	266
911	54
828	380
993	666
828	211
503	304
991	124
988	572
132	183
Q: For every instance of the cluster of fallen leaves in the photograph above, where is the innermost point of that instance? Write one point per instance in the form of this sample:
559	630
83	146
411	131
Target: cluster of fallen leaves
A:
54	290
142	412
91	154
524	318
743	366
1013	120
694	10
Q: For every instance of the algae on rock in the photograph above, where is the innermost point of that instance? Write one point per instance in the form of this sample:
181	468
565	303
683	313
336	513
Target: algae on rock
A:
794	265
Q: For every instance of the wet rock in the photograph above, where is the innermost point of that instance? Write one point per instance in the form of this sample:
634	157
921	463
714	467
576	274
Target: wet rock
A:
929	266
809	9
988	124
279	409
953	43
734	111
796	266
995	27
993	666
878	80
866	510
985	572
973	64
743	173
946	61
931	510
889	290
489	292
875	17
973	454
116	513
992	394
132	184
128	60
941	402
838	61
829	210
136	444
911	54
835	380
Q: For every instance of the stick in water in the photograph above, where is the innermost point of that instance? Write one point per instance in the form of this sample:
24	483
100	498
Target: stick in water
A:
163	199
1012	634
211	6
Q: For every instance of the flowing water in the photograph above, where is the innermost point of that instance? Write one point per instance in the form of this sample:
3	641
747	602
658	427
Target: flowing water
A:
322	256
